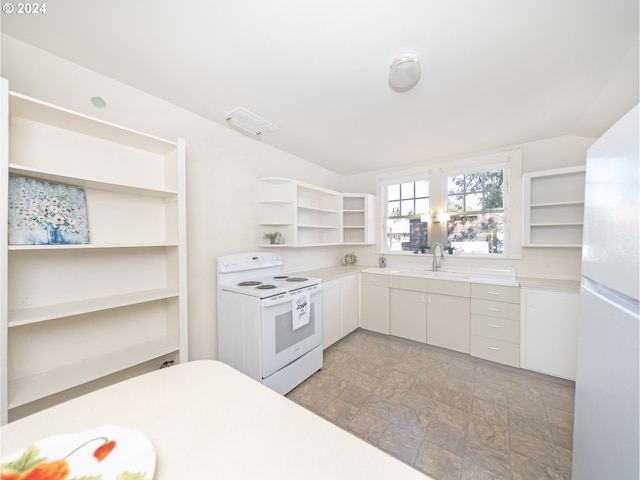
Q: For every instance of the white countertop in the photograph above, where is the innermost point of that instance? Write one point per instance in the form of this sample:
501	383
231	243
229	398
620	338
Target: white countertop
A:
206	420
547	283
500	276
332	272
486	275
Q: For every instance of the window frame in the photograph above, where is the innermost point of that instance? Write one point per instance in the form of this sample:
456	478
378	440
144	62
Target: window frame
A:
399	179
504	166
413	197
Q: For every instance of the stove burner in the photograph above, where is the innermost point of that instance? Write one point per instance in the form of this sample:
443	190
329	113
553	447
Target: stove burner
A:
297	279
280	277
265	287
250	283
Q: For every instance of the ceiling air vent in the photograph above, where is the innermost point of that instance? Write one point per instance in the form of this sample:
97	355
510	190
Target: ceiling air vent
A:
249	123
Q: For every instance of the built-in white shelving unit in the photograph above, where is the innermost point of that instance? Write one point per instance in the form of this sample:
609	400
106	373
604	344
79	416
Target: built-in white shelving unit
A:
357	219
553	206
72	314
311	216
318	216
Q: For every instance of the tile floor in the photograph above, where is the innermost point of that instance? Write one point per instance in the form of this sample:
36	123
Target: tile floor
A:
449	415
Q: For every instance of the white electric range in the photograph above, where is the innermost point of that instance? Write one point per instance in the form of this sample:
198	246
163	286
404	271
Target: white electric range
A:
269	323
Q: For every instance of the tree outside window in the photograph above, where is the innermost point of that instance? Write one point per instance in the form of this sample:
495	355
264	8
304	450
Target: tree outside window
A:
475	203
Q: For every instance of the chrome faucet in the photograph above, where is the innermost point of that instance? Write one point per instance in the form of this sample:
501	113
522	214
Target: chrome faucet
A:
437	264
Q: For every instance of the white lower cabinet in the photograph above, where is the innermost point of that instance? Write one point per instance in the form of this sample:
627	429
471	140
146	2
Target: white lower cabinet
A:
408	314
350	286
530	328
448	314
375	303
448	323
331	312
340	308
436	312
550	324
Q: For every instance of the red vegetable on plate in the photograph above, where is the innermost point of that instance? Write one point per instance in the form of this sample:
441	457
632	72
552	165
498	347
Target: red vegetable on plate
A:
104	450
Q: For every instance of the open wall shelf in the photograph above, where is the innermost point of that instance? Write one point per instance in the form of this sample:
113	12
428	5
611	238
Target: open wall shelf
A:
72	314
553	207
310	216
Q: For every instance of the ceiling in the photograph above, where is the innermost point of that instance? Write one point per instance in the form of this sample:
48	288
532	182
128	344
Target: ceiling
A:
494	72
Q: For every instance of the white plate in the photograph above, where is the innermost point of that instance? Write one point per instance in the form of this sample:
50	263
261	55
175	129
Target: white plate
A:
132	455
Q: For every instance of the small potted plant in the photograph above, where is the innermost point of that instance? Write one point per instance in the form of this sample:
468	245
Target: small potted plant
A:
272	237
421	249
449	249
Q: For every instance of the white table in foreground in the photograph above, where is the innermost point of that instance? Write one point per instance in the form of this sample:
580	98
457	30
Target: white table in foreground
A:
206	420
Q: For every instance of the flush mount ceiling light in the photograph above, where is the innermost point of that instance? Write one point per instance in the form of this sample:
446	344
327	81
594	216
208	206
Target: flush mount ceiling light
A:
249	123
404	73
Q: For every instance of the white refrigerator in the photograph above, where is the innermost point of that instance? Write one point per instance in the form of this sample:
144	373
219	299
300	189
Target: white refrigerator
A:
606	434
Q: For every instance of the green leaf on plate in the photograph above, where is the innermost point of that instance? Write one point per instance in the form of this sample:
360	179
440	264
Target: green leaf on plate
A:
27	460
132	476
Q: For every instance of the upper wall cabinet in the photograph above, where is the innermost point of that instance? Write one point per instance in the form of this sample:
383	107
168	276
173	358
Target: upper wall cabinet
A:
304	215
77	308
553	206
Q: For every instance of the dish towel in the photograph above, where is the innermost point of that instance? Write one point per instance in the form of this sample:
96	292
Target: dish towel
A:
301	311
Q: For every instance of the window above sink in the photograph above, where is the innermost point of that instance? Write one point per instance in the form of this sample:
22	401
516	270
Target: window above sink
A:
470	205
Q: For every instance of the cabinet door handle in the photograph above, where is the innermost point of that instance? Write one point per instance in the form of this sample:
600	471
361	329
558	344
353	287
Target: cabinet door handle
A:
493	326
423	298
493	309
497	349
493	293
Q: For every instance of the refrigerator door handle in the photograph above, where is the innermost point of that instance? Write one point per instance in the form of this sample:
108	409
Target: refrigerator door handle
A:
618	299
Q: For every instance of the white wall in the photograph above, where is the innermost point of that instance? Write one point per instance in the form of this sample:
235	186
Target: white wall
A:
222	167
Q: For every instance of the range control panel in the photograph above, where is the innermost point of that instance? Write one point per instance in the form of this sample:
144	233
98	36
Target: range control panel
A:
248	261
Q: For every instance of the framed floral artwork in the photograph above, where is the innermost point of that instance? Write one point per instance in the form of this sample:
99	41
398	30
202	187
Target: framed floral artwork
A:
42	213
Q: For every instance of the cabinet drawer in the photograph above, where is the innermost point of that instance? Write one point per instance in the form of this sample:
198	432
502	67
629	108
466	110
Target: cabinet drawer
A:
495	350
498	293
375	280
510	311
495	328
